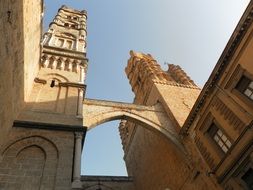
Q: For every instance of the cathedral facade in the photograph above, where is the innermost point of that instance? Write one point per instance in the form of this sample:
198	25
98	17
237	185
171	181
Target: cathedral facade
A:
174	134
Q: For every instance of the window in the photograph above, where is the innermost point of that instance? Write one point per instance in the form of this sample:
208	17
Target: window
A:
248	178
245	86
68	44
52	83
60	42
73	26
219	137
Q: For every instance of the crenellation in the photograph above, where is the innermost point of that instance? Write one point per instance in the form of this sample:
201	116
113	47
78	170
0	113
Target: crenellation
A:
179	75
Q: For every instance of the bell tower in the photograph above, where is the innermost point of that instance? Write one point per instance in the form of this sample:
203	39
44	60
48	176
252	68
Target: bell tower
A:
59	86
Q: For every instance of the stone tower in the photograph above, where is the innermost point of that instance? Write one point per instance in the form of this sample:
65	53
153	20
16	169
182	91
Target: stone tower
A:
59	86
176	93
44	145
64	62
172	88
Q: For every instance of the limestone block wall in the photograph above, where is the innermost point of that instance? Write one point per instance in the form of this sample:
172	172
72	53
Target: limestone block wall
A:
58	104
36	159
32	18
11	63
177	100
156	163
19	56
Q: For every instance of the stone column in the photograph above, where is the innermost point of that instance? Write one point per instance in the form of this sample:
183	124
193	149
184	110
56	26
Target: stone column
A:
77	162
54	63
45	62
76	45
80	103
82	74
80	94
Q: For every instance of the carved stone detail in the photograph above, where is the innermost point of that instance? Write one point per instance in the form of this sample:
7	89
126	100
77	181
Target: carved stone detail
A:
60	63
179	75
143	70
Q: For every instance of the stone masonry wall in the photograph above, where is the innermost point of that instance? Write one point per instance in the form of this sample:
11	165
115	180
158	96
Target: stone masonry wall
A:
154	162
33	11
19	56
11	61
36	159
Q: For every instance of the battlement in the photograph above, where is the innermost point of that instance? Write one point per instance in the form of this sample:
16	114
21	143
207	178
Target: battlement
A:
67	31
69	9
178	74
143	71
68	17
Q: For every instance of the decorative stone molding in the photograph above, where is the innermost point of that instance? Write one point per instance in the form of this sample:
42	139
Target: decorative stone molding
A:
72	84
177	84
49	126
62	63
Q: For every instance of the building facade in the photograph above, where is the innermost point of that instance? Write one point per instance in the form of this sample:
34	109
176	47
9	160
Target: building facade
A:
174	135
39	139
216	130
221	121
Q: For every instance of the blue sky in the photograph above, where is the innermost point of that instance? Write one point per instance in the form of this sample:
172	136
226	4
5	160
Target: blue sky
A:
190	33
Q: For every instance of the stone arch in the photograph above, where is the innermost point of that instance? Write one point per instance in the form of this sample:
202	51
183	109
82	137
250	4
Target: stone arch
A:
124	114
33	162
35	139
57	76
153	118
27	147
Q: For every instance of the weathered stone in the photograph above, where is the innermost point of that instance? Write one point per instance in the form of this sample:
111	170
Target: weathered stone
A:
166	138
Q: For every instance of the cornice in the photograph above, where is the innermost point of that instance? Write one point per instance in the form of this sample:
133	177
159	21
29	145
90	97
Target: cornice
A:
175	84
71	10
64	52
64	26
72	84
49	126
